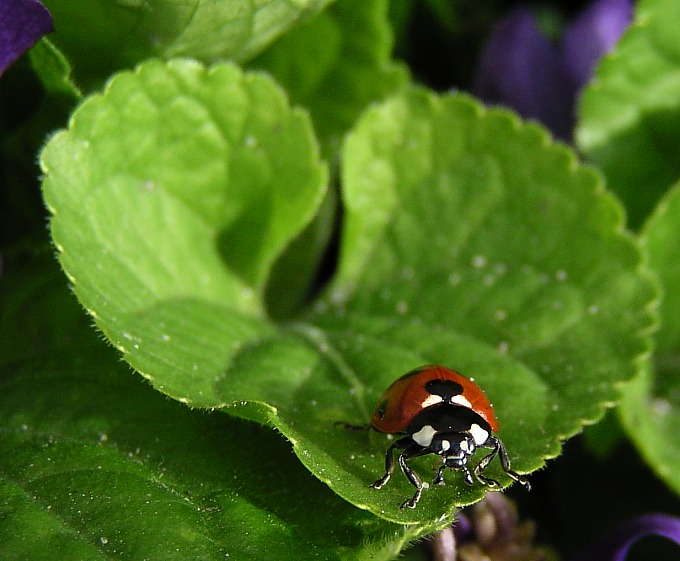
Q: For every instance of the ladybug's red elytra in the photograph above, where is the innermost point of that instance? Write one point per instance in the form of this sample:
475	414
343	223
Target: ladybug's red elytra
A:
441	412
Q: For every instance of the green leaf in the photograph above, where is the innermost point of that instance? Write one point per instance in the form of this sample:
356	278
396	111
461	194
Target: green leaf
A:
103	36
53	69
303	261
469	240
336	65
96	465
651	405
480	245
190	184
630	114
660	239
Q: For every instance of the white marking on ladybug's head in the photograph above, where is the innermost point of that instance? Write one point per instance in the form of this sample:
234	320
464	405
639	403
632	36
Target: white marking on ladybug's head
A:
446	445
432	399
479	435
424	436
460	400
464	445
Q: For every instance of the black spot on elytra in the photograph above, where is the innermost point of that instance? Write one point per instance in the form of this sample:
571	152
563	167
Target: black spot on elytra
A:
447	389
382	408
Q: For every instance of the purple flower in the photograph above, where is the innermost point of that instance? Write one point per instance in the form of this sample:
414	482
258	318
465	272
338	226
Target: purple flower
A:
615	546
491	529
22	23
592	35
520	68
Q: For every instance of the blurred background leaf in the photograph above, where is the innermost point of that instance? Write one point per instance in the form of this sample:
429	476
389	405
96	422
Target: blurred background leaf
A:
629	115
104	36
651	406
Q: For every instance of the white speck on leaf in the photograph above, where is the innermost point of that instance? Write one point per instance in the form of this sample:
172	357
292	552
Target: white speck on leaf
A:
454	279
479	261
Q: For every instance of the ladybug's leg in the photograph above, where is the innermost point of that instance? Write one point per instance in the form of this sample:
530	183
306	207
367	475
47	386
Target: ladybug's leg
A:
505	464
389	461
467	475
439	478
497	448
412	451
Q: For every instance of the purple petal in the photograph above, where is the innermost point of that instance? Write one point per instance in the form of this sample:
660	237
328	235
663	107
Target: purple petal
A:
462	527
615	545
22	23
592	35
520	68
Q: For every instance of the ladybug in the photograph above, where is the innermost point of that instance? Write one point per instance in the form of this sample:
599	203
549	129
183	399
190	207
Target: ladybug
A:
441	412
